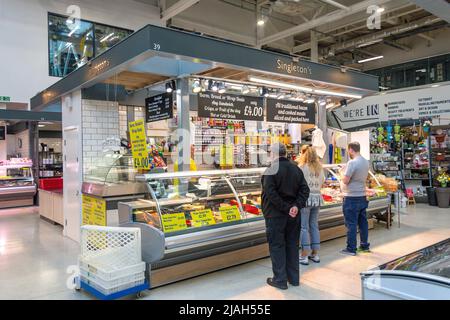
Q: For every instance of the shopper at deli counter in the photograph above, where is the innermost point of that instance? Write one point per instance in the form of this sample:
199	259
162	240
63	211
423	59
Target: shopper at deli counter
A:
353	182
312	169
285	192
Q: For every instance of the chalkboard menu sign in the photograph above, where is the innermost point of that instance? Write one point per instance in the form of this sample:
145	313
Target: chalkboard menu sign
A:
159	107
230	107
287	111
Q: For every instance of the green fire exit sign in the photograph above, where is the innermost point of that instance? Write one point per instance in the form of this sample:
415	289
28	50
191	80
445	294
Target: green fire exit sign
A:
5	99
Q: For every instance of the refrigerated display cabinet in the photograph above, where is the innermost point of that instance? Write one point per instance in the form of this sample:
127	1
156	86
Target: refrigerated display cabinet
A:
424	274
17	186
197	222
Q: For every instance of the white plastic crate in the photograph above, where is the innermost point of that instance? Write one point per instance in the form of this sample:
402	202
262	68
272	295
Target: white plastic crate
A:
110	248
108	273
113	289
112	283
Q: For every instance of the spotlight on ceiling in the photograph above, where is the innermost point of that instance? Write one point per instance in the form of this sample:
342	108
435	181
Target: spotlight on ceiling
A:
245	89
170	86
221	88
196	87
264	92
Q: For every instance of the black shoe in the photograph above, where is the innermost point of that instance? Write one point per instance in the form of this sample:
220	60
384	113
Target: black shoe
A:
270	282
295	284
363	250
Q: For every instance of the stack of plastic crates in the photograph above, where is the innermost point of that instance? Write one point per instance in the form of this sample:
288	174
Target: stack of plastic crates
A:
110	260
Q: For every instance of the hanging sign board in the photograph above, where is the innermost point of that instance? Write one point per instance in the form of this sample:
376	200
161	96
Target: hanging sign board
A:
93	211
288	111
173	222
159	107
5	99
405	105
138	140
230	214
202	218
230	107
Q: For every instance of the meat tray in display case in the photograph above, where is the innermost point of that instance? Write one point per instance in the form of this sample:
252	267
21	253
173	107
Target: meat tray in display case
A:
17	186
197	222
424	274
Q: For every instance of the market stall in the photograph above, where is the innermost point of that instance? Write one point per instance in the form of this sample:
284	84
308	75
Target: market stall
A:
156	99
198	222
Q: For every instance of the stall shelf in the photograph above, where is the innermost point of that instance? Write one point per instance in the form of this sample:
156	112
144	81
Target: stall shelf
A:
198	222
17	186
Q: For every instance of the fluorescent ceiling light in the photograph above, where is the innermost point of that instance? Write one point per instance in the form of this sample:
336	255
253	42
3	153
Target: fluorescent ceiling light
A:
381	10
338	94
279	84
371	59
107	37
261	22
369	43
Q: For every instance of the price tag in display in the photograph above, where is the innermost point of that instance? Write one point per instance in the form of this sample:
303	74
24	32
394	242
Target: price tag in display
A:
202	218
93	211
230	214
173	222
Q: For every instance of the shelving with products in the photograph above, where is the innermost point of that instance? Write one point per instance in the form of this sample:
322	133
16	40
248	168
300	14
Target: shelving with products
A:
439	151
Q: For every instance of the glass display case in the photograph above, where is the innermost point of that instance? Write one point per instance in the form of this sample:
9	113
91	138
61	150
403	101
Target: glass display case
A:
17	186
112	175
198	215
424	274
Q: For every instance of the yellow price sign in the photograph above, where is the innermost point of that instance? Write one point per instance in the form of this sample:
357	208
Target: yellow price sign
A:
138	140
173	222
93	211
202	218
226	155
230	214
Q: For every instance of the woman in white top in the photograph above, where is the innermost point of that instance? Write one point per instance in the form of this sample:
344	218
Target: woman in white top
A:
310	237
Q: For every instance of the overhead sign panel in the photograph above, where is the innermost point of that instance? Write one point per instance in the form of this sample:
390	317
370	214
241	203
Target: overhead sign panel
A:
288	111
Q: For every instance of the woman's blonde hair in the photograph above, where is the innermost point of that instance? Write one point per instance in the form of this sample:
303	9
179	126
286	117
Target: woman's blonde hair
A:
309	157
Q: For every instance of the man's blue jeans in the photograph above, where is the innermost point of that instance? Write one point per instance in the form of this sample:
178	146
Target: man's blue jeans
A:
355	214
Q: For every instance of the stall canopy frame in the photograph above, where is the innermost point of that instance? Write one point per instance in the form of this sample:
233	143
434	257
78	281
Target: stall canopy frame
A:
155	54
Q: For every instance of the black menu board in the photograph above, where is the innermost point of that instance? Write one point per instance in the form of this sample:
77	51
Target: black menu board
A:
288	111
230	107
159	107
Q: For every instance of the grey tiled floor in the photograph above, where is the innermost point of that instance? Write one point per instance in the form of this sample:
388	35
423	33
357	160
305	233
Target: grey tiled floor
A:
34	257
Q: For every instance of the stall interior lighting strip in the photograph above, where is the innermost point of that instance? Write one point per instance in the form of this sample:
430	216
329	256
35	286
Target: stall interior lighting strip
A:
337	94
279	84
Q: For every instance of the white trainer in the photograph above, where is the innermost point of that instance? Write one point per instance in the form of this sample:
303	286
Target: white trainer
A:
304	261
315	258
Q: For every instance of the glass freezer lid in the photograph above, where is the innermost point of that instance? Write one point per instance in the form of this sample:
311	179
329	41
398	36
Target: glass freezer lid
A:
434	260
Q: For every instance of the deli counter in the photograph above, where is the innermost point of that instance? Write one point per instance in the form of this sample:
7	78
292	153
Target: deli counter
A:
197	222
17	185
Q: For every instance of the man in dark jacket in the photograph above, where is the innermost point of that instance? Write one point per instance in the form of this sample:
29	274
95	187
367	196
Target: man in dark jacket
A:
285	192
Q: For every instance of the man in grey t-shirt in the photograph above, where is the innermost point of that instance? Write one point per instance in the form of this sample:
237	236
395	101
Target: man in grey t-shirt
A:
353	185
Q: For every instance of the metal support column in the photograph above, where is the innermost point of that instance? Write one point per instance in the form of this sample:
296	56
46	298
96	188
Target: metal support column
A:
314	47
322	125
184	141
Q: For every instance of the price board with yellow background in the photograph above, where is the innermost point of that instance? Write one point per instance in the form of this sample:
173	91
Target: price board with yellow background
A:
93	211
173	222
138	142
202	218
230	213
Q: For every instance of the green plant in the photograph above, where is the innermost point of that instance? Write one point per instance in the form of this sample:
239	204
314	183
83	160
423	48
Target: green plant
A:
444	179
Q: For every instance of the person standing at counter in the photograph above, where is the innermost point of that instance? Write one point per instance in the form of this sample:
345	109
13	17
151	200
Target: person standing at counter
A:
310	236
353	184
285	192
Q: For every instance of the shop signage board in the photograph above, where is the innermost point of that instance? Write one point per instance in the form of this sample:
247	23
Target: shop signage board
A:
405	105
230	214
202	218
159	107
139	145
5	99
288	111
93	211
173	222
230	107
